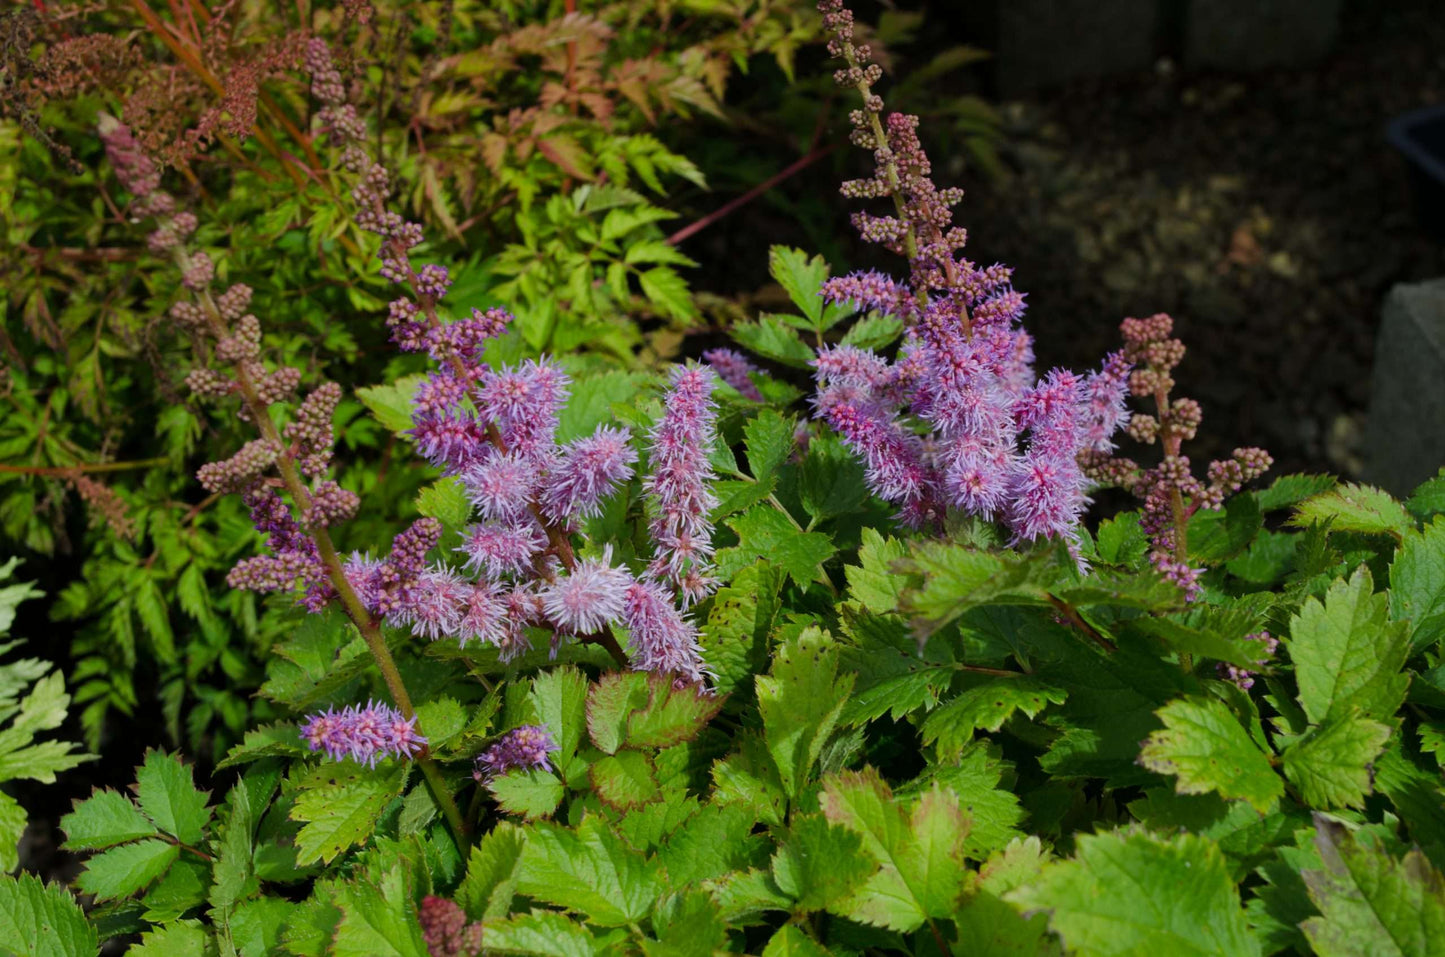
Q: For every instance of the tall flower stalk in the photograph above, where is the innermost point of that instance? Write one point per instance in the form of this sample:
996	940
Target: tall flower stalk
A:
997	441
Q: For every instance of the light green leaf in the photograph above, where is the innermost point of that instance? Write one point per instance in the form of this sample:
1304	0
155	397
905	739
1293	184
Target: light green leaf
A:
1288	490
559	698
446	501
769	439
821	864
922	872
1331	765
992	927
1370	904
491	879
668	291
592	398
873	582
341	808
774	339
734	639
1346	654
801	276
541	932
533	793
957	578
391	403
281	740
588	869
1205	746
167	794
123	870
104	819
791	941
993	809
441	720
1130	892
830	480
765	532
1417	584
40	920
671	715
610	702
187	937
873	332
12	828
378	919
624	780
800	702
1356	508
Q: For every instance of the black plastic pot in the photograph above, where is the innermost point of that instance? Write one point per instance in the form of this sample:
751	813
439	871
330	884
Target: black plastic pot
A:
1420	136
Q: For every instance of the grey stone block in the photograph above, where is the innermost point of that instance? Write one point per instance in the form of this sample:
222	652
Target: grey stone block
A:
1255	34
1405	441
1039	43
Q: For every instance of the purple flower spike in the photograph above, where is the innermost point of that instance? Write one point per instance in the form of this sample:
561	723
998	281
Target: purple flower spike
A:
366	735
526	747
679	486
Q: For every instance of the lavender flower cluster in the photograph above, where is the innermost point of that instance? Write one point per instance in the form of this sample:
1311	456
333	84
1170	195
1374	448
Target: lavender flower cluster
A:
522	748
1000	443
495	430
365	735
1243	677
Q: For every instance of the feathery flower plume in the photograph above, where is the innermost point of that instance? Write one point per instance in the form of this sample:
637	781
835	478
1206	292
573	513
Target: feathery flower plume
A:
585	472
587	598
678	488
663	641
965	367
734	369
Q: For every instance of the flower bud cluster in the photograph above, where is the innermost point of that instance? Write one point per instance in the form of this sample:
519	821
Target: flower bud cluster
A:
524	748
365	735
1169	490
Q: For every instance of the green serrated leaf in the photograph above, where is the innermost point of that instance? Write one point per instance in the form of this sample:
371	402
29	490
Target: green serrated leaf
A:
1129	892
873	332
1331	765
830	480
1207	749
268	741
378	919
491	879
1216	535
121	871
559	699
986	706
624	780
183	937
1417	584
921	854
769	440
668	291
40	920
873	581
800	701
1355	508
103	820
391	403
532	793
1371	904
791	941
774	339
802	277
610	702
1289	490
1346	654
765	532
671	715
588	869
446	501
541	932
167	794
341	808
734	639
821	863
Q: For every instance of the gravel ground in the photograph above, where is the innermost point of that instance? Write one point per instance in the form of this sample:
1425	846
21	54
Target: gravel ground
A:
1266	213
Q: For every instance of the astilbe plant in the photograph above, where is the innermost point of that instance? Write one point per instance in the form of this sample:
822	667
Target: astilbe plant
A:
493	429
